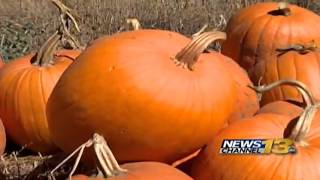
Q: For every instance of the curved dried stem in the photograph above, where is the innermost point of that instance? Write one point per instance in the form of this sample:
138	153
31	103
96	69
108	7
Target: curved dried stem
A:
65	15
45	54
66	19
79	150
200	31
189	55
305	92
108	164
302	127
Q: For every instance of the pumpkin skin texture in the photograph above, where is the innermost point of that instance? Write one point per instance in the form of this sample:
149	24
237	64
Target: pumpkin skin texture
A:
24	91
247	101
281	108
132	93
144	171
303	165
254	35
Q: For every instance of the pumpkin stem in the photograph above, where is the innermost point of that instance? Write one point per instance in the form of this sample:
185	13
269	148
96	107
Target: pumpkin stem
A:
66	19
303	124
283	10
107	162
204	27
302	88
106	159
188	56
134	23
45	55
300	48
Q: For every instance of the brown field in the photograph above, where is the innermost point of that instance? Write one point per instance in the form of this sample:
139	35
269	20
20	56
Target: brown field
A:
25	24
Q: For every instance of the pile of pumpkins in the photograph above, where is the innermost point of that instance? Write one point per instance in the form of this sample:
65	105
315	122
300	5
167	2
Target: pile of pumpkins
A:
164	102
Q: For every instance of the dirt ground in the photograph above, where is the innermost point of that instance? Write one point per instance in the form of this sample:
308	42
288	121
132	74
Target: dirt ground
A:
25	24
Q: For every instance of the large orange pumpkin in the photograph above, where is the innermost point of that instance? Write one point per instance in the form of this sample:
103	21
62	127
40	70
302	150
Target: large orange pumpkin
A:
255	34
305	133
26	84
130	88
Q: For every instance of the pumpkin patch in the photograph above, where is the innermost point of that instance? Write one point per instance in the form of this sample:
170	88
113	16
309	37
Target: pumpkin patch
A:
132	93
265	39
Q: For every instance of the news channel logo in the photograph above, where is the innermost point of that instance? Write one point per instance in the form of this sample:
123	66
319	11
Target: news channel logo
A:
258	146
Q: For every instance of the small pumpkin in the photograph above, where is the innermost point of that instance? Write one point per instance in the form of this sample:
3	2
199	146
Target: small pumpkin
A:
26	84
304	131
258	32
147	92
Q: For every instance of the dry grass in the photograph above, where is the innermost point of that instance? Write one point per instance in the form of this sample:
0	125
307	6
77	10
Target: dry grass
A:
25	24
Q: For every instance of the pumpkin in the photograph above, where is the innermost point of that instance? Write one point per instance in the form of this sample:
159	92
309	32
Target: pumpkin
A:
143	171
26	84
303	131
147	92
256	35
